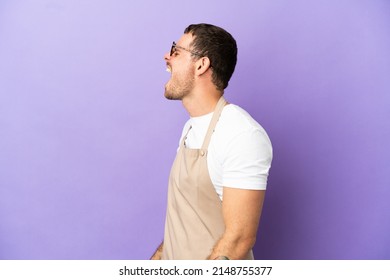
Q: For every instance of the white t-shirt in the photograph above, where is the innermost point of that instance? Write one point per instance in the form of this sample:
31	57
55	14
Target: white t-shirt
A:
239	153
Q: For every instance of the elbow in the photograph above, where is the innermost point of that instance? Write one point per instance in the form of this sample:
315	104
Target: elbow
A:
248	243
244	247
243	244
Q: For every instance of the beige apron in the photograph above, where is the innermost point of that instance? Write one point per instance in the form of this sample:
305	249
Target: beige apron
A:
194	221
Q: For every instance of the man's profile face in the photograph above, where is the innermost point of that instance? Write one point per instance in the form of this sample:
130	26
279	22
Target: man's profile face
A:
182	68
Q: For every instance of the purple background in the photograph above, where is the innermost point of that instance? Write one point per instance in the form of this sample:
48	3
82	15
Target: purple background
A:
87	138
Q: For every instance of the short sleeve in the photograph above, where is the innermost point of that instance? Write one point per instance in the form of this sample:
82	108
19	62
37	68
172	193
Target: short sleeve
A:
247	160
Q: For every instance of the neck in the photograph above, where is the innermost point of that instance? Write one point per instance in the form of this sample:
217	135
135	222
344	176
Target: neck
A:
201	104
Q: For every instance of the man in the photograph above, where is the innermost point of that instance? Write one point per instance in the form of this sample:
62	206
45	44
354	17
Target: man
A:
218	179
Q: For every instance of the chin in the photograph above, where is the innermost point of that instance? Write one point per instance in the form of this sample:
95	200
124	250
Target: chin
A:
170	97
167	95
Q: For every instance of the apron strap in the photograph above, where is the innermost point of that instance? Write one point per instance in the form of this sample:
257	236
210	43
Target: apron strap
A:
217	113
183	141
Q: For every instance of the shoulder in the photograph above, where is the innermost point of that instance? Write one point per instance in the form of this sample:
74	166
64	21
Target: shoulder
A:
235	121
242	149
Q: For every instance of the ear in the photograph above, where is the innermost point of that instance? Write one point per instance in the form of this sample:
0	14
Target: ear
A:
202	65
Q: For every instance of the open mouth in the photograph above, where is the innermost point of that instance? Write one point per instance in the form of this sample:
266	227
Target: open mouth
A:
169	69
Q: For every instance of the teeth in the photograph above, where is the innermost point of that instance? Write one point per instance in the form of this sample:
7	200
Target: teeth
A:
169	69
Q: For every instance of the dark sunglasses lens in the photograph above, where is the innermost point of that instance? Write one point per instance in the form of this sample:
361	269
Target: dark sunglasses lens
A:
173	48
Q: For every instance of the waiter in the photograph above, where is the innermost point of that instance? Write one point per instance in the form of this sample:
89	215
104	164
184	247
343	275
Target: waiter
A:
218	179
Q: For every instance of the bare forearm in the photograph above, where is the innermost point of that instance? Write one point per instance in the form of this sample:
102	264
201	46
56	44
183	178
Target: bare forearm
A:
241	211
232	247
157	255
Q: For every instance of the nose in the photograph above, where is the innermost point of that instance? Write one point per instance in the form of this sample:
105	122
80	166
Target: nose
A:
167	56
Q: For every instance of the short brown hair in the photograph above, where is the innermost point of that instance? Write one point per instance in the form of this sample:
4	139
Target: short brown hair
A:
219	46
